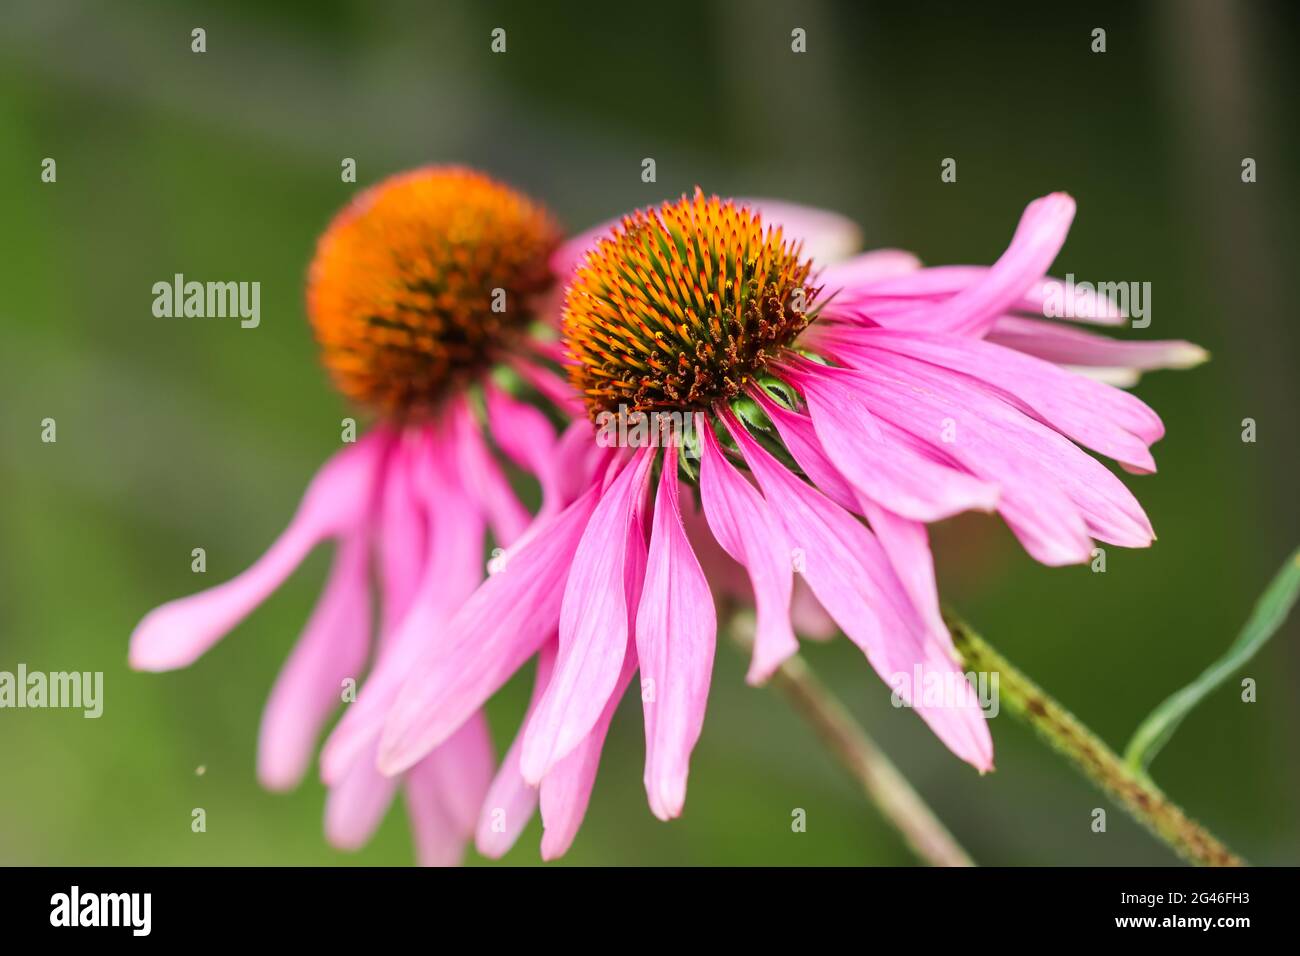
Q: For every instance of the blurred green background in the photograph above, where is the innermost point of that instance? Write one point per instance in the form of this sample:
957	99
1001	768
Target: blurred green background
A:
179	434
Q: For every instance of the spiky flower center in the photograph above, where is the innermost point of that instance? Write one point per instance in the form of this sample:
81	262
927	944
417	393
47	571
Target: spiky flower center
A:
422	280
681	306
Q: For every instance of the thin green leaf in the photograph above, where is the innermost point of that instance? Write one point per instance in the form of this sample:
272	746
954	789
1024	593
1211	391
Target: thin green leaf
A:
1270	612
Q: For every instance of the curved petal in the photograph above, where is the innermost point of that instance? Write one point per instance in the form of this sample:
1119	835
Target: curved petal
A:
356	806
593	626
452	571
676	629
1037	240
566	789
402	532
848	572
746	529
1107	420
483	479
886	471
1070	346
333	647
510	801
337	500
525	435
498	628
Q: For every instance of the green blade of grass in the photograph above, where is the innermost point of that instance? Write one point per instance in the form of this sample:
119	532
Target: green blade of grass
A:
1270	612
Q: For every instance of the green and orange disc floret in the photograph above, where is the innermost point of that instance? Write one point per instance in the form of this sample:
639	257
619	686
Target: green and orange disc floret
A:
682	306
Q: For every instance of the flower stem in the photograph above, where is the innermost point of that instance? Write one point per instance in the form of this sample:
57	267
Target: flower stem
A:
1063	731
882	782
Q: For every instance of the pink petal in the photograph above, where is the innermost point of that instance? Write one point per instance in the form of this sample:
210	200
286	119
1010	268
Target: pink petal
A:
463	767
356	806
907	546
907	293
676	628
498	628
434	833
337	500
1069	346
1054	495
549	385
566	790
402	531
885	470
746	529
450	575
868	268
809	618
510	801
1042	517
1105	419
593	626
482	477
525	435
444	792
1036	242
851	577
333	647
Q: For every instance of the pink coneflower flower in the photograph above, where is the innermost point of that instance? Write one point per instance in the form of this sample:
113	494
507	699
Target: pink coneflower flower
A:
836	411
419	289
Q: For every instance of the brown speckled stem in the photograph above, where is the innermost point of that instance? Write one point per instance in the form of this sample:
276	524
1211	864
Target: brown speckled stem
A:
1081	747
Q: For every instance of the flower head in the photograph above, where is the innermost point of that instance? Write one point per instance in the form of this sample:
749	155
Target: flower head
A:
837	408
683	306
418	288
423	282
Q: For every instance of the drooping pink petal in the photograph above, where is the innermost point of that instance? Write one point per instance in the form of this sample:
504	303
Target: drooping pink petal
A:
566	789
579	458
337	500
332	647
1107	420
356	806
453	569
809	618
676	630
497	629
593	626
908	295
907	546
444	792
1070	346
905	542
746	529
525	435
885	470
1044	519
510	801
1036	242
482	477
462	767
553	388
851	577
402	531
988	433
434	833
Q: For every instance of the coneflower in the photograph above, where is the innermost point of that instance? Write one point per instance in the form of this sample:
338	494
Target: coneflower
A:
836	410
419	288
